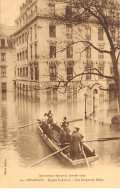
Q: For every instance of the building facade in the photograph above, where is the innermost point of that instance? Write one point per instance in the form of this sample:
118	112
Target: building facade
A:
46	57
6	60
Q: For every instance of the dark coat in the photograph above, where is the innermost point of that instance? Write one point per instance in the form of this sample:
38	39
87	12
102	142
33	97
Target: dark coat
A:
75	145
63	137
67	130
49	132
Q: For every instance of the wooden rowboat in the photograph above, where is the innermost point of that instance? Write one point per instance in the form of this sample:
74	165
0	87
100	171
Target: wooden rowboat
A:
91	156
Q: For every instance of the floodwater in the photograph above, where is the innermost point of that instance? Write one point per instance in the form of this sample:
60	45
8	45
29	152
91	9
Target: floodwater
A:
22	147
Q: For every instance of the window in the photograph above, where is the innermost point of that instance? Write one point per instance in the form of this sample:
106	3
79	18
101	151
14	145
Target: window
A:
88	33
31	33
2	42
88	53
26	71
26	54
100	54
52	8
52	31
36	8
100	34
3	71
31	73
68	13
52	51
18	56
31	52
35	50
70	70
53	74
23	38
20	40
23	55
36	73
18	72
69	31
113	34
70	51
20	22
35	31
4	87
3	57
102	72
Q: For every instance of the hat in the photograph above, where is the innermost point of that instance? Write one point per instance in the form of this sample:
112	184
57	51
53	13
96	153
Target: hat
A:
65	118
77	129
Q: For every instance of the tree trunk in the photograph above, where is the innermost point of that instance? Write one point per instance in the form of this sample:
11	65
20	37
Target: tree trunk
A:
116	76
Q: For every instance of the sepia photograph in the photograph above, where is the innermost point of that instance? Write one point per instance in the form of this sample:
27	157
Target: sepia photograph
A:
59	93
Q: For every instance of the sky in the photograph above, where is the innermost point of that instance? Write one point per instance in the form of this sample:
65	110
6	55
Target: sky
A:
9	11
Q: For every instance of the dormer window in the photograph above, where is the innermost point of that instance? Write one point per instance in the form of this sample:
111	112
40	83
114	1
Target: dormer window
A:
2	42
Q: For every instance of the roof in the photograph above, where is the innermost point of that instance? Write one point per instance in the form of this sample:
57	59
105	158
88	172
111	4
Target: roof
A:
6	30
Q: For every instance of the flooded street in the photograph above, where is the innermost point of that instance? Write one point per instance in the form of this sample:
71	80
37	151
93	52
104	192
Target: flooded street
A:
22	147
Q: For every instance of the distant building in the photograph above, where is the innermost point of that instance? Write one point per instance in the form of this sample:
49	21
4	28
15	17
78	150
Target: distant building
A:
40	66
6	59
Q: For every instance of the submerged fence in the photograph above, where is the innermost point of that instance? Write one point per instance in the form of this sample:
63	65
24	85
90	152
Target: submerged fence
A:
102	123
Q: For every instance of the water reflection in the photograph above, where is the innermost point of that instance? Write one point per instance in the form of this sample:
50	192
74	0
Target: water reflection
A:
24	146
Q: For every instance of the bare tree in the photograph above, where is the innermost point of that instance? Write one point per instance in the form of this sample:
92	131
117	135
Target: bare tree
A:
106	14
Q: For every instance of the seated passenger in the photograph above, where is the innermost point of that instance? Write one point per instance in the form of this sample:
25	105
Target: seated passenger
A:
49	132
56	127
64	122
62	137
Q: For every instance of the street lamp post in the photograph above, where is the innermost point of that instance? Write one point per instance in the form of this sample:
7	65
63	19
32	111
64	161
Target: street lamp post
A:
86	105
93	103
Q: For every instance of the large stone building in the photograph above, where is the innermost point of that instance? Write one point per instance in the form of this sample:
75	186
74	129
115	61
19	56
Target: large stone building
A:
45	56
6	59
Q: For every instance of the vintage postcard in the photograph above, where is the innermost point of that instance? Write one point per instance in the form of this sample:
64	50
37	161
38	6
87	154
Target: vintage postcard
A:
59	94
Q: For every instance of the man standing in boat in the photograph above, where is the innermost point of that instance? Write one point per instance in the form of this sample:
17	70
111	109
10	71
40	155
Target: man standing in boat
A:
67	130
50	117
64	123
76	144
65	126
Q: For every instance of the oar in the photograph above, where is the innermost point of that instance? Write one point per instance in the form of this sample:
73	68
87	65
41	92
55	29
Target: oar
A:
85	158
98	140
40	120
75	120
27	125
49	156
104	139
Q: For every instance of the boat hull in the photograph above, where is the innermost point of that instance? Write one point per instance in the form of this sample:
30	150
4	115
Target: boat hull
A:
64	157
